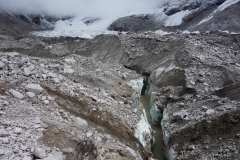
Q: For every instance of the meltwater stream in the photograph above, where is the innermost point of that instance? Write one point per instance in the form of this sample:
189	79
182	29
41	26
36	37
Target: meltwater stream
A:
157	150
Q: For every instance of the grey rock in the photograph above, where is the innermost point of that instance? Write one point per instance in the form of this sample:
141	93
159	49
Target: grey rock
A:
30	94
8	153
27	71
1	151
2	65
55	156
70	61
2	113
24	60
80	122
56	80
89	134
68	70
16	94
200	79
39	153
45	126
27	158
179	115
67	150
192	82
17	130
23	147
46	102
35	88
237	136
4	134
4	140
210	111
12	54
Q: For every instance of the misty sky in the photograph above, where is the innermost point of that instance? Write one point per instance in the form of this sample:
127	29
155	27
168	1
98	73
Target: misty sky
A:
84	8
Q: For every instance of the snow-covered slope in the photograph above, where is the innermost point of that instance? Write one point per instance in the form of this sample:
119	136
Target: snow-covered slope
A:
25	23
174	15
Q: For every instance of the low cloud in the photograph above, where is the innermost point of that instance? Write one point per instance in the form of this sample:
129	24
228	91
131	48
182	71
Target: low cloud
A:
82	8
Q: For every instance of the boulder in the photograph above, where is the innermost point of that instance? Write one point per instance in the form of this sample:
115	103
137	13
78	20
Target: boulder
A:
39	153
16	94
81	122
2	65
34	88
55	156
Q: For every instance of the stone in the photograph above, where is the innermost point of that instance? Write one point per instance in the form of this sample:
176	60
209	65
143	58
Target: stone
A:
8	153
179	115
4	134
1	151
23	147
44	76
70	61
35	88
55	156
17	130
210	111
61	110
27	158
16	94
68	70
2	65
192	82
67	150
46	102
237	136
80	122
89	134
22	61
12	54
45	126
2	113
27	71
56	80
30	94
200	79
39	153
4	140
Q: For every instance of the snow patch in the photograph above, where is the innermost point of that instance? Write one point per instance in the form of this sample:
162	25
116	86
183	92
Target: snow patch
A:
223	6
162	33
176	19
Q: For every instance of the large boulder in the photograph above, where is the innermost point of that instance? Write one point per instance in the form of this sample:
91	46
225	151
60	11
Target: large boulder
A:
34	88
16	94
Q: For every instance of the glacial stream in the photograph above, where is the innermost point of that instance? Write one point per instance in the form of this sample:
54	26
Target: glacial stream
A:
157	150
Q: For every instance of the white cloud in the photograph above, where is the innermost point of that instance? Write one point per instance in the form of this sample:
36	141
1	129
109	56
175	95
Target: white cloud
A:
83	8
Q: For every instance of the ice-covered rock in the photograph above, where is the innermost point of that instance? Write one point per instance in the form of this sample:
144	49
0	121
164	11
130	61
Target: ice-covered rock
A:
143	130
34	88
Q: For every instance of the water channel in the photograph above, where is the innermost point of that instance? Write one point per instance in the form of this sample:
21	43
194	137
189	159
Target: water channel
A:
157	150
